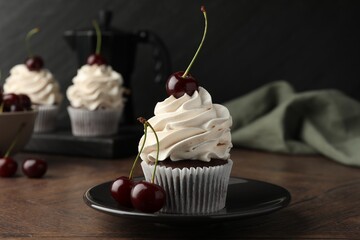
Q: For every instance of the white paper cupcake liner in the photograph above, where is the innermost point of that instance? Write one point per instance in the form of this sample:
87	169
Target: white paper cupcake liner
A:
192	190
46	118
88	123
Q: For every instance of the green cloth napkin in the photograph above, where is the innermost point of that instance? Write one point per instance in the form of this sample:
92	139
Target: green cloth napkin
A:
275	118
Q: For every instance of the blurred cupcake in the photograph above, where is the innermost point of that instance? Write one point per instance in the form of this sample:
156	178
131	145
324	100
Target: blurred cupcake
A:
96	99
43	90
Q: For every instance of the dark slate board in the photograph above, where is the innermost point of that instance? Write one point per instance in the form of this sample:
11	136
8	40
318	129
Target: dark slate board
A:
63	142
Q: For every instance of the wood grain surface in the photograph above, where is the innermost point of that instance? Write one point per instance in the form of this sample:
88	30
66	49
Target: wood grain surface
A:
325	201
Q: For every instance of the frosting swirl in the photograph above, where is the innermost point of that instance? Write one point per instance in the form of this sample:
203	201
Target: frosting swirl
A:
189	127
40	86
96	87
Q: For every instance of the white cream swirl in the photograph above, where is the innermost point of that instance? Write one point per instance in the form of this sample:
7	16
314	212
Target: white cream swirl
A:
40	86
96	87
190	127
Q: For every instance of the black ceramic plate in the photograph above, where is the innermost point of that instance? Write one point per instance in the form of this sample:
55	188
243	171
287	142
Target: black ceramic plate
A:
246	198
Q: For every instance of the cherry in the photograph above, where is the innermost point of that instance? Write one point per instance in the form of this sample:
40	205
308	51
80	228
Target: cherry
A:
8	167
177	85
34	63
34	168
121	189
180	83
96	59
11	103
14	103
25	101
148	197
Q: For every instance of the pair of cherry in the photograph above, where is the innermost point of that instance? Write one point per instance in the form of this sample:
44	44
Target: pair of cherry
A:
12	102
32	167
144	196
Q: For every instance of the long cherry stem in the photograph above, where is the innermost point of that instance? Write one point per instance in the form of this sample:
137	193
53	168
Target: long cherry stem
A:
14	141
27	40
98	37
138	155
157	153
146	123
201	43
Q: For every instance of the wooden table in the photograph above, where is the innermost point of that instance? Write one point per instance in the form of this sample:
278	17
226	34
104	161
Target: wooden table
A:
325	201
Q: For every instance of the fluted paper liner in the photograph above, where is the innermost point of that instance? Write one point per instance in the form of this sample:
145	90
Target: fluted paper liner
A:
88	123
198	190
46	118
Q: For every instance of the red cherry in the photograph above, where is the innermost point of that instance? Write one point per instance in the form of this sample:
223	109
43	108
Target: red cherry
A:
96	59
148	197
34	168
25	101
177	85
34	63
11	103
121	189
8	167
180	83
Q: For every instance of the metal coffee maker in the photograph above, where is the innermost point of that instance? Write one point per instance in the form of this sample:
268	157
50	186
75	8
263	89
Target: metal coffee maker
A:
119	50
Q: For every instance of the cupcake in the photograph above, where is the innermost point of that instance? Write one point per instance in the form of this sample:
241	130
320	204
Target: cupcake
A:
96	99
194	162
41	87
192	154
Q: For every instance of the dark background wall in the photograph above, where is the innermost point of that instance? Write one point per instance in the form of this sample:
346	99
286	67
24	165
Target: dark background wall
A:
311	44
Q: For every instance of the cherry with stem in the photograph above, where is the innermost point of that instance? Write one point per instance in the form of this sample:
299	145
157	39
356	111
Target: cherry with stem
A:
8	165
180	83
96	58
33	62
121	187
